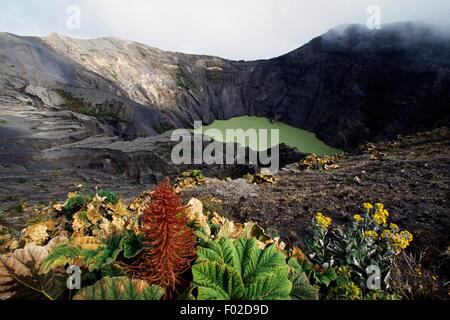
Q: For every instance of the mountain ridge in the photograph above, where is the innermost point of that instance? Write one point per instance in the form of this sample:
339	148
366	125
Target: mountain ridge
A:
59	94
296	88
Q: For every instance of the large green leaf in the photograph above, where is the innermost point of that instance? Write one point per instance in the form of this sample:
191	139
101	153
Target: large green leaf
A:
120	288
295	265
132	245
325	277
217	281
301	288
267	261
60	256
105	255
222	251
273	285
67	254
249	254
240	270
100	258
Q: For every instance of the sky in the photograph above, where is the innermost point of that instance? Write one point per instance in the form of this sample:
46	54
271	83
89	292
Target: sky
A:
233	29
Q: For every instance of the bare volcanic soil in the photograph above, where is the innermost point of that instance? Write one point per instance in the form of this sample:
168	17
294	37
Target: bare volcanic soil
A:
409	175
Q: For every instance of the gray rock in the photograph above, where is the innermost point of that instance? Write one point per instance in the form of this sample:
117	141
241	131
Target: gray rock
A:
48	97
348	85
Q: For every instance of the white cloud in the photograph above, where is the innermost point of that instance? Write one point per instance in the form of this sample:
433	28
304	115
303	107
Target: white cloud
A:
235	29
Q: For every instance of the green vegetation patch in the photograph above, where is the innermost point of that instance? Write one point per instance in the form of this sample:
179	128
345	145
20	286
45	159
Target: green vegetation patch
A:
183	81
78	105
163	127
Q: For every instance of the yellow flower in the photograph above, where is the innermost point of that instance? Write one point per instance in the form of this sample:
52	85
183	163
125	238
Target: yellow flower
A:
398	240
394	227
386	234
371	234
323	221
407	235
379	206
367	206
380	216
358	218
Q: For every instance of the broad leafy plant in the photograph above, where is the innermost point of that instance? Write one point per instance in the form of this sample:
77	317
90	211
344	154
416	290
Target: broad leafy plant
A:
23	276
93	254
120	288
227	270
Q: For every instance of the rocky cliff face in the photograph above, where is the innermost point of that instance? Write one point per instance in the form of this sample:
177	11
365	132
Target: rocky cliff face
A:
348	85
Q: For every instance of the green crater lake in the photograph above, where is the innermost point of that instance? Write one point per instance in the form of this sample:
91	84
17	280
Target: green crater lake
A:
304	141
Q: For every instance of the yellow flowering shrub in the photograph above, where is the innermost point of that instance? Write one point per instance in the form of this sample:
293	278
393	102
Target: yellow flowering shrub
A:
369	240
376	226
316	246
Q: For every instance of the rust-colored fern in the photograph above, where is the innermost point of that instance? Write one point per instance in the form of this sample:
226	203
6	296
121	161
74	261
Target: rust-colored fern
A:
172	243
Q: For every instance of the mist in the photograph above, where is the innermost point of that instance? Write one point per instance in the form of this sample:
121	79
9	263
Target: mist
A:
234	29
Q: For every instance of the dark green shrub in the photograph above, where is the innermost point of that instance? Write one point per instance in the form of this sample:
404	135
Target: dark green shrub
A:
76	203
163	127
111	197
